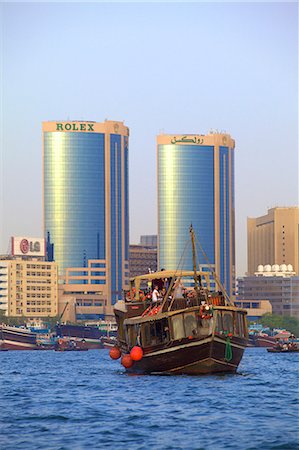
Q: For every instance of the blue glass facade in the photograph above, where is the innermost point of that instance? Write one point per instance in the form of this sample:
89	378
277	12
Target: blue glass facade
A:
195	185
86	202
74	196
185	196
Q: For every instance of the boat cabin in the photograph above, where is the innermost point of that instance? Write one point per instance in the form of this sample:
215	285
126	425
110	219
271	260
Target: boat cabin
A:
194	315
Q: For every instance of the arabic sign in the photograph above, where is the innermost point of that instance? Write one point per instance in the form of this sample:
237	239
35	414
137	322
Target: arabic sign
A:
187	140
26	246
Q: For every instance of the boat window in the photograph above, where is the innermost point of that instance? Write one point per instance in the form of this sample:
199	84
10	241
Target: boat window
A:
205	327
146	334
178	327
240	324
162	331
227	320
190	324
219	327
132	335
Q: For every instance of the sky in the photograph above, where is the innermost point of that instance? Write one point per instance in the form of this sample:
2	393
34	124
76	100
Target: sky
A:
159	67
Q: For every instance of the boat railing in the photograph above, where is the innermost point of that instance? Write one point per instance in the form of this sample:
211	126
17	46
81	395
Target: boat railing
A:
137	307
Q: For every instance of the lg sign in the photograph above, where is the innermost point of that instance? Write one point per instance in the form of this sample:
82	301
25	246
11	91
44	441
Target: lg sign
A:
26	246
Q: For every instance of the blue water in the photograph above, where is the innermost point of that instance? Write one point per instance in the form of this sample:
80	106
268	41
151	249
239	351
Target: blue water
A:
84	400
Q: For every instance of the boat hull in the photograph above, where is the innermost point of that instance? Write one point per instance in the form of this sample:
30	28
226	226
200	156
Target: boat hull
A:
274	350
86	336
264	341
193	358
17	339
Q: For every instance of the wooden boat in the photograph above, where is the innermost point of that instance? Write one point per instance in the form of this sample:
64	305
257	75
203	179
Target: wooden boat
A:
109	341
275	350
17	338
200	333
89	335
288	347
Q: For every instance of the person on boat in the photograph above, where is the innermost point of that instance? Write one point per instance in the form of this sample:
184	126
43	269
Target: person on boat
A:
155	294
142	296
163	292
178	289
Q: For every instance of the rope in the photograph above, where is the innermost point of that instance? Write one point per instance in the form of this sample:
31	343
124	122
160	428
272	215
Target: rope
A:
214	274
228	350
181	261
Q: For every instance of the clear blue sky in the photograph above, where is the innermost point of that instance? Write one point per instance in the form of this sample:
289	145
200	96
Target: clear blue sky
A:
172	67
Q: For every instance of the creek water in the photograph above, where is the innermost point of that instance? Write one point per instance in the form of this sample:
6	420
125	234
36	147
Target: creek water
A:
84	400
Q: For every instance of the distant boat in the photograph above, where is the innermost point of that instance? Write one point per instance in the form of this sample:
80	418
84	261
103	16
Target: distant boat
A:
16	338
197	334
282	350
89	335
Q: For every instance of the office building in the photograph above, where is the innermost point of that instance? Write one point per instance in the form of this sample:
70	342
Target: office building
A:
196	185
143	259
85	197
277	284
28	283
255	308
82	297
274	239
149	240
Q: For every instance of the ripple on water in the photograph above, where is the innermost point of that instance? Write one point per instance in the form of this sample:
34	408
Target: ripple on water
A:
85	400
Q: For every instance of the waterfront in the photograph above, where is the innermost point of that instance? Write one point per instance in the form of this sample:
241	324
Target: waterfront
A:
52	400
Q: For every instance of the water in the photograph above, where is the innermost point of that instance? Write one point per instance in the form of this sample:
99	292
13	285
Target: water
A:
84	400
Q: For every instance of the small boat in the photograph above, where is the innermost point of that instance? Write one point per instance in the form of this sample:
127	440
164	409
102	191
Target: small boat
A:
89	335
287	347
287	350
66	349
109	341
17	338
200	333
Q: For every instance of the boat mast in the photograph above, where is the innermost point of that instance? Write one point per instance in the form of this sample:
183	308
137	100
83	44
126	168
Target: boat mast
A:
196	280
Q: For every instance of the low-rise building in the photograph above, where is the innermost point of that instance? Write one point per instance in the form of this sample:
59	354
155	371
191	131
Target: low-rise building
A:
278	284
143	257
28	283
83	294
255	308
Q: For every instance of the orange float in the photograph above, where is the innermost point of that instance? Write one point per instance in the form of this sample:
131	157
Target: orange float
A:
136	353
127	361
115	353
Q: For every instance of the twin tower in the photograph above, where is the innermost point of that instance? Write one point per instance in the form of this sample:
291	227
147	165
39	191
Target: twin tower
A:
86	200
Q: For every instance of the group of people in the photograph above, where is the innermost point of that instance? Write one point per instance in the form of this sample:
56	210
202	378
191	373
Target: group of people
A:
158	290
283	346
159	293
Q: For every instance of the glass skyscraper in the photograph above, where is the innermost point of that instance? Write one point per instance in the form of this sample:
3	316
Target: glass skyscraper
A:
196	185
85	194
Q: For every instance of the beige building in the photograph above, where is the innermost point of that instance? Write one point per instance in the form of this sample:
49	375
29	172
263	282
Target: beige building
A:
255	308
83	296
277	284
274	239
28	288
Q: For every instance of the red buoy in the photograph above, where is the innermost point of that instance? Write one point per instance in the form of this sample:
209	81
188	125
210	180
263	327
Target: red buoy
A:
136	353
115	353
127	361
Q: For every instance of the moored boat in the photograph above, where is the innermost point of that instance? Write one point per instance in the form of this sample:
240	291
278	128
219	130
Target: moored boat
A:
199	333
89	336
109	341
17	338
284	347
275	350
